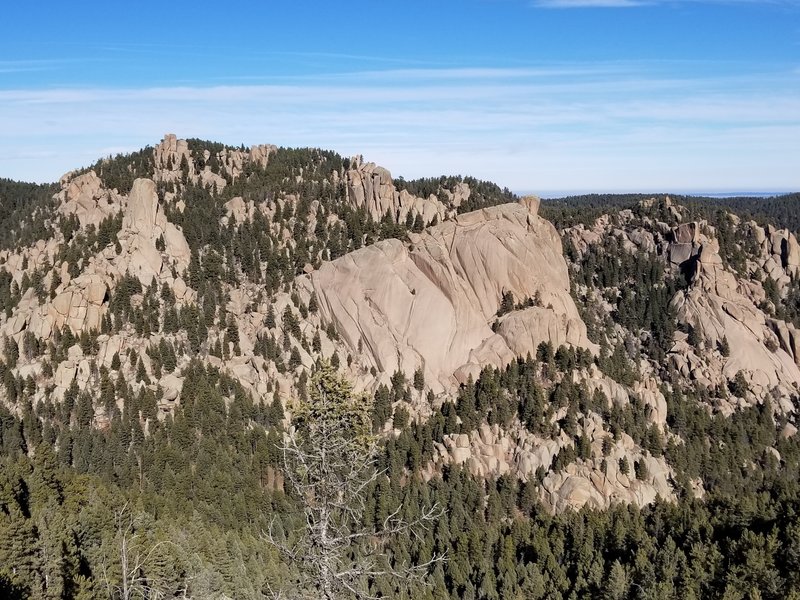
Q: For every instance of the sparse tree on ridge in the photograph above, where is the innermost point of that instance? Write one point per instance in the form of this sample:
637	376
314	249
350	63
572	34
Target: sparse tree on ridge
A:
329	459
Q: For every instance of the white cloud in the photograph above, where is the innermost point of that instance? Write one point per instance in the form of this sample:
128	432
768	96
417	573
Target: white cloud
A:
562	126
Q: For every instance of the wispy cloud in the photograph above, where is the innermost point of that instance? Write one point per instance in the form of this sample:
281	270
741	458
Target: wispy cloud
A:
24	66
567	126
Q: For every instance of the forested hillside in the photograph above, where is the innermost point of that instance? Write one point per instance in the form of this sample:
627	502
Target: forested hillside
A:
24	212
601	407
779	210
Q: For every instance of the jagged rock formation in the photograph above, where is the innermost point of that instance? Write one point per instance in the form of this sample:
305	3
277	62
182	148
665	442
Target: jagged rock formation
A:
85	197
370	187
719	306
174	160
143	224
431	305
22	260
491	451
80	303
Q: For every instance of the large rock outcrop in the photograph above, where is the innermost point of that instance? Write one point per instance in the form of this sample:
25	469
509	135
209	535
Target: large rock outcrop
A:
174	160
143	224
599	482
85	197
370	187
721	307
80	303
432	304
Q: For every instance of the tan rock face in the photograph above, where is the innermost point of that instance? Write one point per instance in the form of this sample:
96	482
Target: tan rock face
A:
524	330
85	197
720	307
172	152
431	305
79	305
237	209
260	154
721	304
142	210
168	156
780	252
686	233
788	337
491	451
580	485
370	187
143	223
680	253
791	254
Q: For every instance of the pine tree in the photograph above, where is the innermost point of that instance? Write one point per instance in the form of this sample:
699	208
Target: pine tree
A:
724	347
419	379
616	586
85	412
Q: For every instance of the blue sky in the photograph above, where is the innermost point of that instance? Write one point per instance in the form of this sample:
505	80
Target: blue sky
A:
537	95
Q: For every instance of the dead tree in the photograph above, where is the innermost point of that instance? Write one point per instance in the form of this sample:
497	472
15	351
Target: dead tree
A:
329	457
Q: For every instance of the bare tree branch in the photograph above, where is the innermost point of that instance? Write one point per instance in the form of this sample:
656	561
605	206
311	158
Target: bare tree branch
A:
330	461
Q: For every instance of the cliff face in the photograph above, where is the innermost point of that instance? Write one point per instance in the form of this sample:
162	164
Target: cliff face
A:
149	247
432	305
723	309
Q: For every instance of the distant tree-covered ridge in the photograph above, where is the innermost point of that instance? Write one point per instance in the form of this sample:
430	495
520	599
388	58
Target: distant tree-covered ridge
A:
780	211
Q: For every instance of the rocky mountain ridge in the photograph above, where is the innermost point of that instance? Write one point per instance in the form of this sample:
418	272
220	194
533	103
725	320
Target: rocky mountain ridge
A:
258	262
726	312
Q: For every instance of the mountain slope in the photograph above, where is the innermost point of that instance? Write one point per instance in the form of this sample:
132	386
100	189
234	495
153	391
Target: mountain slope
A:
156	337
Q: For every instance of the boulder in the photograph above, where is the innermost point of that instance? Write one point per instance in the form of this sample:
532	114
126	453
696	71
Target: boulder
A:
709	253
643	239
788	431
172	386
179	288
236	208
686	233
64	374
680	253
